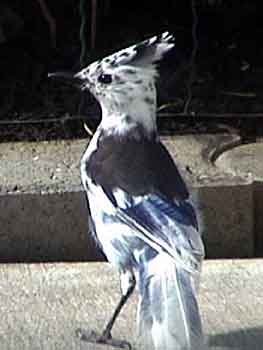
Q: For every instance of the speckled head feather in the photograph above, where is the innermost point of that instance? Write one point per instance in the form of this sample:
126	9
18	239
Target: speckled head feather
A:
145	53
124	84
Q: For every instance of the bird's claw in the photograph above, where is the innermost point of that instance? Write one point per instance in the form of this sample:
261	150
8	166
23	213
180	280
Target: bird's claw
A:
93	337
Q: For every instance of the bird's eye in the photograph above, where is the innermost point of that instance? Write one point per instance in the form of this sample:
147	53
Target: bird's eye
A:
105	78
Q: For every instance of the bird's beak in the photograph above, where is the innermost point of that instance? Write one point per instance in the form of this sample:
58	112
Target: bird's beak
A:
68	78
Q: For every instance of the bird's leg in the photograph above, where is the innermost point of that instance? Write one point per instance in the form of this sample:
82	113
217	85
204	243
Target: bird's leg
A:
127	280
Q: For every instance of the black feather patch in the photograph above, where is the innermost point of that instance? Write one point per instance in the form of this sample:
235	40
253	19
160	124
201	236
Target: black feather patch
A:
138	167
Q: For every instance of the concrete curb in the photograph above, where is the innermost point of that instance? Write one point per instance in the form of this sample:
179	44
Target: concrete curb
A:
42	207
247	161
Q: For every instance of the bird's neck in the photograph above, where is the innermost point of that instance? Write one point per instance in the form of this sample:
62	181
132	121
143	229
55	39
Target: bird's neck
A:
123	122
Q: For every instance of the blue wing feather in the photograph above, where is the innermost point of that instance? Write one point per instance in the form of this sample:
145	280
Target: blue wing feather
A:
171	222
182	211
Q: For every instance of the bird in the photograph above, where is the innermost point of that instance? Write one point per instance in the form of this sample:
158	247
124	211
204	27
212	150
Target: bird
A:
140	209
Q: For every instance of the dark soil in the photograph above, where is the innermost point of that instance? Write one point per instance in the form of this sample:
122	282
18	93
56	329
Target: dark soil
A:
228	70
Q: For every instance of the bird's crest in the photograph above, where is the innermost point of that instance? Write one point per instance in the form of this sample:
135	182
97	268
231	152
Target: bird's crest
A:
145	53
142	55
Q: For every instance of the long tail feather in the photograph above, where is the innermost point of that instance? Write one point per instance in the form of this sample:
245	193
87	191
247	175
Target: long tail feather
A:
168	312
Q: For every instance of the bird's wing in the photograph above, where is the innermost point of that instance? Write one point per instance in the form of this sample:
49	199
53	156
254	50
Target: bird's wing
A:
165	226
148	193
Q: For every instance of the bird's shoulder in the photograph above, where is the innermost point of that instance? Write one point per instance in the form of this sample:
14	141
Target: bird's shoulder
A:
136	165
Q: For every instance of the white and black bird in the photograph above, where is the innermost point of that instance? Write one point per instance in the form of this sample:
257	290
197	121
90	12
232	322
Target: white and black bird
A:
139	205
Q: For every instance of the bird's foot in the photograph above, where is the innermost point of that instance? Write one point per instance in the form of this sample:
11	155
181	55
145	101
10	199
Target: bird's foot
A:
104	338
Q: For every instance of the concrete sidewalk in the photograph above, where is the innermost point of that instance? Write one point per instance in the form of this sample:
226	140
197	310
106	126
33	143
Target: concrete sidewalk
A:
42	305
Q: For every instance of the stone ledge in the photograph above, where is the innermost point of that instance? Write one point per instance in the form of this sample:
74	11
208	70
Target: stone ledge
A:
43	304
247	161
42	207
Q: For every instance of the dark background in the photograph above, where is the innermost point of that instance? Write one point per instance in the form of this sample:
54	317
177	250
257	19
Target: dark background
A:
228	69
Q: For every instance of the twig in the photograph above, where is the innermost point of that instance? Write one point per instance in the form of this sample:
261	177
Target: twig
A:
93	23
171	115
212	115
51	21
41	120
83	32
239	94
193	57
175	103
88	130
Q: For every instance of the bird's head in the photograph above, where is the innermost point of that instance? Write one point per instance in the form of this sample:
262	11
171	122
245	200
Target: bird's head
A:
124	83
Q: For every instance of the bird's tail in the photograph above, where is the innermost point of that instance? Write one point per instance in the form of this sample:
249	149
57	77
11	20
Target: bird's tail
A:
168	312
